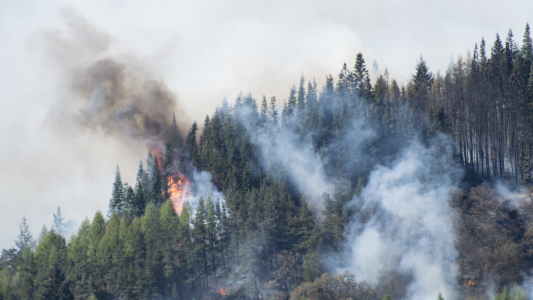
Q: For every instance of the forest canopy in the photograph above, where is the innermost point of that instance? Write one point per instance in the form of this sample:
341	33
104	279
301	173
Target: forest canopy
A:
360	189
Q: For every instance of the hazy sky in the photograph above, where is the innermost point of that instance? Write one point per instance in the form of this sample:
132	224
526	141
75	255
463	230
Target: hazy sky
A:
203	51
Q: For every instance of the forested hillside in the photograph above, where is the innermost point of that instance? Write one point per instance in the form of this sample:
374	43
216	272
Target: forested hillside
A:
302	184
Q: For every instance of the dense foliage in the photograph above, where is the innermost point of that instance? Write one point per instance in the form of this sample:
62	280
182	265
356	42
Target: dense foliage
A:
267	238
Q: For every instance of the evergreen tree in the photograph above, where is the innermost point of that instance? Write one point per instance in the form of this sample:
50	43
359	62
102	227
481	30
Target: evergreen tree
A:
168	170
211	234
59	225
273	113
141	189
199	233
361	78
130	206
192	146
25	239
156	191
176	139
263	124
116	204
527	45
55	286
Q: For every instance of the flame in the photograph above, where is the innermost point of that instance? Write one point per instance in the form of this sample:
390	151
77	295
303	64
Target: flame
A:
470	282
178	191
157	154
222	290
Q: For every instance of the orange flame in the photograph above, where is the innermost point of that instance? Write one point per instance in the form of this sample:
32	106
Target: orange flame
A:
222	291
470	282
158	155
178	192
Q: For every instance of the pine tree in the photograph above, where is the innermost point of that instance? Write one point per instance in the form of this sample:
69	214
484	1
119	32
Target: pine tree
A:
263	124
116	204
55	286
168	168
129	201
291	104
156	191
141	187
59	224
301	94
273	114
199	233
361	78
527	45
192	146
153	256
25	238
211	233
176	139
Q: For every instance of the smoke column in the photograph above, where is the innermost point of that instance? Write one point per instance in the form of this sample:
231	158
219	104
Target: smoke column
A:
409	226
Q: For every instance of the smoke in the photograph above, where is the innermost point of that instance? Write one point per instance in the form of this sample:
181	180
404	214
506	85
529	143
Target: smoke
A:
112	93
203	187
513	195
285	154
406	223
402	225
121	104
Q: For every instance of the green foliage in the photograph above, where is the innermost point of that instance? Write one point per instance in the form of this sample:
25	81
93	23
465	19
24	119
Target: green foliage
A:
25	239
116	204
388	297
266	230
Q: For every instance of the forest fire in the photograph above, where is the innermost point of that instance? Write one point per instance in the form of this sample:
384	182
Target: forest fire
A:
470	282
178	191
222	290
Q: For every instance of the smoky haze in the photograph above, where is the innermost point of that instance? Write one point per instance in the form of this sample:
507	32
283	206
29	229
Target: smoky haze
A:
204	50
400	236
106	92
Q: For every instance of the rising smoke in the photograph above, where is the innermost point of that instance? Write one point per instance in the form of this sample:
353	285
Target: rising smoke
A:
112	93
402	229
405	224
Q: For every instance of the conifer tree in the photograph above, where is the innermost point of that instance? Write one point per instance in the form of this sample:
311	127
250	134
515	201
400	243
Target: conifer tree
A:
211	234
527	45
263	118
273	114
156	191
167	171
199	233
116	204
129	201
291	104
176	139
192	146
301	94
25	239
361	81
59	225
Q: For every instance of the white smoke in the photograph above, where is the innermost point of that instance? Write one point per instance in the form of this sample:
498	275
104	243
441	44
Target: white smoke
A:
203	187
512	195
410	229
299	161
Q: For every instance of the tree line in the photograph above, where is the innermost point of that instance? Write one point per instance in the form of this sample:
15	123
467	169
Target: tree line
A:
264	239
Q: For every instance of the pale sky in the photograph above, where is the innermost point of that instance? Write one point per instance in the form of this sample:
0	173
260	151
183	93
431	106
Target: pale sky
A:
203	51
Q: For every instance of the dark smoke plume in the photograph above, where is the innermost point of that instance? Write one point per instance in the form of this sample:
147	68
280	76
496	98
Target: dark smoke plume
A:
110	93
118	103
